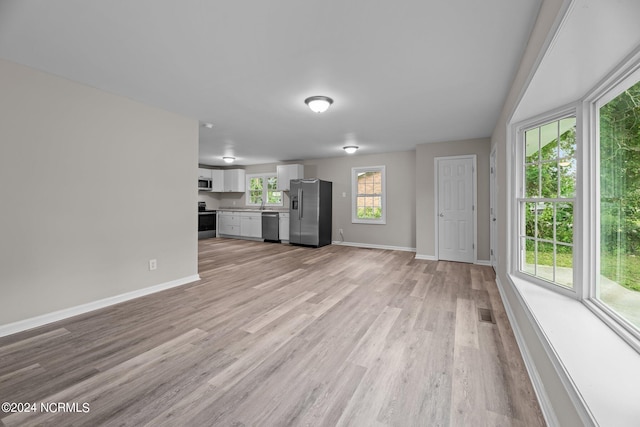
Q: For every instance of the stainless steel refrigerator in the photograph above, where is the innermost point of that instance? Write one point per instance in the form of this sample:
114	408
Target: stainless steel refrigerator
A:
310	212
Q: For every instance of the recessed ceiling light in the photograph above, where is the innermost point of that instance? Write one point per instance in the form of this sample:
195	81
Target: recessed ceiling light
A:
350	149
228	159
318	104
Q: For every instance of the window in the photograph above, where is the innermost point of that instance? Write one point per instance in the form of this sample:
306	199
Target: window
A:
578	202
547	200
618	146
368	190
262	191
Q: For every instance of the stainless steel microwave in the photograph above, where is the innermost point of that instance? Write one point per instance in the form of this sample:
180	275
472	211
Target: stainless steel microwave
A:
204	184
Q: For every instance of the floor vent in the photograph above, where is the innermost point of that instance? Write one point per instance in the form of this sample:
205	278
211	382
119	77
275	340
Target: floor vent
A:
486	315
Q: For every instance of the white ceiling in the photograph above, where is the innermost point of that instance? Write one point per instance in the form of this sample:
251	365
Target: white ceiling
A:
400	73
594	37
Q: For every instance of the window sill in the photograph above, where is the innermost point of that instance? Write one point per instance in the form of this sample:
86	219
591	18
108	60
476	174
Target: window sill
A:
602	367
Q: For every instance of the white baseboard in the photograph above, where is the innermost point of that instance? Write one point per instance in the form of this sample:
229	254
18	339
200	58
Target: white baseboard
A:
545	404
34	322
371	246
433	258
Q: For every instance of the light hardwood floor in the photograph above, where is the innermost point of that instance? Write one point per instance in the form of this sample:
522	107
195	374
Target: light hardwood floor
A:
277	335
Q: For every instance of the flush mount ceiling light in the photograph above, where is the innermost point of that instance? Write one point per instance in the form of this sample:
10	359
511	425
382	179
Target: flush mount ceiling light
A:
318	104
228	159
208	125
350	149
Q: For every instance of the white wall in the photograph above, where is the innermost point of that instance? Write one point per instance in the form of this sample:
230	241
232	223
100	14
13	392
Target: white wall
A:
92	186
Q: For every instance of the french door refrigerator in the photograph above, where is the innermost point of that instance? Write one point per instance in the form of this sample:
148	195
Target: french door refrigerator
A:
310	212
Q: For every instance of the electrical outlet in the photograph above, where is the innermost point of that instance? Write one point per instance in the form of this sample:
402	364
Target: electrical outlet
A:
153	264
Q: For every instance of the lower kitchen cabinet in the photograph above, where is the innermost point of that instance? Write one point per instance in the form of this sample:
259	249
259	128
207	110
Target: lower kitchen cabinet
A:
284	226
251	224
229	223
243	224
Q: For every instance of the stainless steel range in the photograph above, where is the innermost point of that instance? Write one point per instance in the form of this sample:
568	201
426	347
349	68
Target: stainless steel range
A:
206	222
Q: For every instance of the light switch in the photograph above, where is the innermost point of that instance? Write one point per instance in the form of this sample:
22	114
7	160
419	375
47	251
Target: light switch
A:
344	194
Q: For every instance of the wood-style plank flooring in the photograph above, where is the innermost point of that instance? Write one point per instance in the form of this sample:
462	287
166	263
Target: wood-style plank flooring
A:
277	335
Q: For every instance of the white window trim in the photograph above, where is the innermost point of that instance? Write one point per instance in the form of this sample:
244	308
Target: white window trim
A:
354	195
608	89
264	177
518	178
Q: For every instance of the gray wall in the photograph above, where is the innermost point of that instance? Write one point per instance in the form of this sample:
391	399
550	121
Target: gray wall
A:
557	395
92	186
425	192
399	231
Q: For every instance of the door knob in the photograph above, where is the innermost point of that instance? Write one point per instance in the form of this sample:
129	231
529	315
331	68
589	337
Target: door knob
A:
441	214
494	220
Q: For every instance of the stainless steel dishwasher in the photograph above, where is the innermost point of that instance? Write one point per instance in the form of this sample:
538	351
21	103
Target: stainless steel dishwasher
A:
271	227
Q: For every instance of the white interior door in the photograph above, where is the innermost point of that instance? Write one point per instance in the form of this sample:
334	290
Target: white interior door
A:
456	234
492	207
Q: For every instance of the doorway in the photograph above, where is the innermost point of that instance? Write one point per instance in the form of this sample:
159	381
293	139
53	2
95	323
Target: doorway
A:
456	217
492	208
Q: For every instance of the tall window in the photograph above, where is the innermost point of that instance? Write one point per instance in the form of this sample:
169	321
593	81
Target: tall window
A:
607	188
618	284
262	191
368	189
547	201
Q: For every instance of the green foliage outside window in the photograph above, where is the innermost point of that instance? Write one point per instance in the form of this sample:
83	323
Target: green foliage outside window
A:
255	191
264	188
369	198
620	189
550	176
369	212
274	197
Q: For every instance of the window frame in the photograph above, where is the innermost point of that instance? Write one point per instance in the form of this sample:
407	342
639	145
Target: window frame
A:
354	195
519	130
625	76
265	189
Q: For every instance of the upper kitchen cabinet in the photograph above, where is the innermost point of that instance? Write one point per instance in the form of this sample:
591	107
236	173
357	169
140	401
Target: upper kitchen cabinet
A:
217	180
204	173
234	180
286	173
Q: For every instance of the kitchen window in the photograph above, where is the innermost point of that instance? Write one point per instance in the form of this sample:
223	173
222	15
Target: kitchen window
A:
368	189
262	190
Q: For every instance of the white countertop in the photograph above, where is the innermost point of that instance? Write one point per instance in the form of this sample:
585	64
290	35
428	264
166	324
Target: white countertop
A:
279	210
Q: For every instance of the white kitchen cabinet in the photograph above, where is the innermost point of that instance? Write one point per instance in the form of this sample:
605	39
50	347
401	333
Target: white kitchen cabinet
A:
204	173
234	180
217	180
286	173
229	223
284	226
251	224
